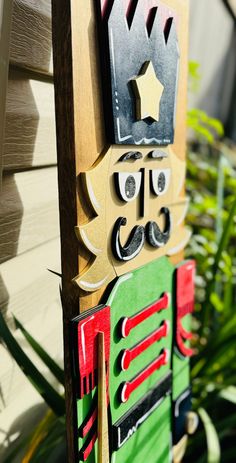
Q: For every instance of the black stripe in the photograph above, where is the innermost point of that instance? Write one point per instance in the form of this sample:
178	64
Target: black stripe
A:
128	424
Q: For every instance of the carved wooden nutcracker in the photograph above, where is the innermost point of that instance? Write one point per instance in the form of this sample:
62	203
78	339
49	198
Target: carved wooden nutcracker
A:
120	79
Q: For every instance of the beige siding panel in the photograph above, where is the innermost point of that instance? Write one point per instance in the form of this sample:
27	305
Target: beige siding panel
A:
28	211
26	285
5	27
30	136
31	40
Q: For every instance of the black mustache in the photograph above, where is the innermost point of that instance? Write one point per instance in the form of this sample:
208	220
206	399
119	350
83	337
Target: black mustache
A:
152	233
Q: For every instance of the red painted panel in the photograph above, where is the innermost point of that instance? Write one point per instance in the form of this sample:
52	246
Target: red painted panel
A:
87	331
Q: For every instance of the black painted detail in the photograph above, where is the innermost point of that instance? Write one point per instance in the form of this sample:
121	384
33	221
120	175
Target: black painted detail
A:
128	41
131	156
92	409
161	182
131	12
133	245
157	154
91	436
151	19
181	407
128	185
155	236
128	424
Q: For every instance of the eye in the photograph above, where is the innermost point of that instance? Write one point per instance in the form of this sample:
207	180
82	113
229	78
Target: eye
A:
160	181
128	185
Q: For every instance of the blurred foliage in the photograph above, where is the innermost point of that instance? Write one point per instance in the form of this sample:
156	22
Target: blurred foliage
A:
205	128
211	185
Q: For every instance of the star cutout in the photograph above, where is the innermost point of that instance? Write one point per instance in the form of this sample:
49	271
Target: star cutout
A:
148	91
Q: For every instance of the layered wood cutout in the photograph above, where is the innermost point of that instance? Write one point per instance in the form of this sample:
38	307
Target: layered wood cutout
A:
136	323
128	200
140	412
138	209
91	352
148	92
143	60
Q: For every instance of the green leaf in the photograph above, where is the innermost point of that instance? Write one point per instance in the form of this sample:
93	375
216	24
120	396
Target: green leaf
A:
216	302
215	268
213	445
229	394
48	361
49	394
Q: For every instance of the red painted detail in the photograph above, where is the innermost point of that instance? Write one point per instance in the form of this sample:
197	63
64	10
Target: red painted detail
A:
184	304
185	288
87	331
129	324
185	334
86	428
130	354
130	386
85	452
185	351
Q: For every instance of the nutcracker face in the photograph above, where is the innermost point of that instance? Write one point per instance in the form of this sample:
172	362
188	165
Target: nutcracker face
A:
138	211
135	189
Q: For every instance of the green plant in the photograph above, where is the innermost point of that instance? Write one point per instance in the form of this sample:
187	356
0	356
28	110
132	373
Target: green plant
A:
205	128
47	441
211	185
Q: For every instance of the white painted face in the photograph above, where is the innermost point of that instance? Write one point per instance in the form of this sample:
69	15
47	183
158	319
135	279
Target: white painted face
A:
138	212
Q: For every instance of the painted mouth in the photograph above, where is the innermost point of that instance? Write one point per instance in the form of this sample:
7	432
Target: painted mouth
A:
136	240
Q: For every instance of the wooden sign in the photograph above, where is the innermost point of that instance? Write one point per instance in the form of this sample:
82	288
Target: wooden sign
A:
120	86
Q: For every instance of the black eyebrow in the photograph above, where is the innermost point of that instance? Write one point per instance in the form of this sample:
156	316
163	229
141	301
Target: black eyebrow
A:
131	156
157	154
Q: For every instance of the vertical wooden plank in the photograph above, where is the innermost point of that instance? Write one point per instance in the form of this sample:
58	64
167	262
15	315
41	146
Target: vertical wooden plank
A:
5	30
80	138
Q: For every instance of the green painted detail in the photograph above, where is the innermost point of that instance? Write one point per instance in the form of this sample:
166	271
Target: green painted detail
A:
181	381
152	442
132	293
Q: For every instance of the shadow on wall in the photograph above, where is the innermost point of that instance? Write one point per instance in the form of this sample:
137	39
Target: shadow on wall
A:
30	48
19	431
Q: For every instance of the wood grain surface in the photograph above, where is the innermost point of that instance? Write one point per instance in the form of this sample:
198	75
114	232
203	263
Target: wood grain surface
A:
80	139
103	439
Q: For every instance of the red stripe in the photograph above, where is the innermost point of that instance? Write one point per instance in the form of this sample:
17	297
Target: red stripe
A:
89	424
131	386
85	452
130	323
130	354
